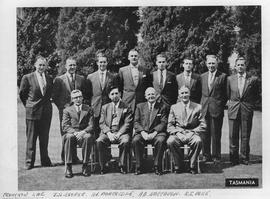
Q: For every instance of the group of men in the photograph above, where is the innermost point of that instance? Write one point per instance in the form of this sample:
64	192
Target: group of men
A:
135	108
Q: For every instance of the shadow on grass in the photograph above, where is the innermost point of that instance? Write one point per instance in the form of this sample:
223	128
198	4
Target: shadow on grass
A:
225	163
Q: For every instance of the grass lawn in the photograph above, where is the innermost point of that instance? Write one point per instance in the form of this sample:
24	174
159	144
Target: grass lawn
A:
213	176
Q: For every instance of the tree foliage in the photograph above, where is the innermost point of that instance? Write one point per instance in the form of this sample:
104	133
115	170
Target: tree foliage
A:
84	31
36	30
186	31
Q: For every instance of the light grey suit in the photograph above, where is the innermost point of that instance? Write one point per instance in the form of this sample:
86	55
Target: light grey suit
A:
188	131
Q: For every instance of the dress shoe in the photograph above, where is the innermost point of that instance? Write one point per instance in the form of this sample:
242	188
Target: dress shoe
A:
123	170
28	167
69	173
85	170
157	171
138	171
207	159
193	171
234	163
217	160
48	165
245	162
104	170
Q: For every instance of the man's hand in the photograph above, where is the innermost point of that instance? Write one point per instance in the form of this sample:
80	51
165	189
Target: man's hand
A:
117	136
182	137
111	136
145	135
79	135
152	135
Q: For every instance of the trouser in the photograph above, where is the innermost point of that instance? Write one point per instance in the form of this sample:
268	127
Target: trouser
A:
245	126
103	143
75	158
70	144
38	128
212	136
174	143
138	144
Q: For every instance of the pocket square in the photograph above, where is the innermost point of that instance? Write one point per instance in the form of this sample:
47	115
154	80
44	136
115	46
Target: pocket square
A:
125	110
144	76
158	115
169	82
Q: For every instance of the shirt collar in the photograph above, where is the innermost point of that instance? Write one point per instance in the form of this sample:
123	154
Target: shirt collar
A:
134	67
149	104
117	104
189	74
77	107
214	73
244	75
38	74
104	72
69	75
187	105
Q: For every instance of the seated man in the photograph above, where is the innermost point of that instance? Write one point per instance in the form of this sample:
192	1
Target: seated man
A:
115	127
150	127
77	129
185	124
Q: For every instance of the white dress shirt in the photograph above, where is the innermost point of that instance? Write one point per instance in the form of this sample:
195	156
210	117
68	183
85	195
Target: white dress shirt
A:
135	74
164	76
211	78
41	81
241	82
104	77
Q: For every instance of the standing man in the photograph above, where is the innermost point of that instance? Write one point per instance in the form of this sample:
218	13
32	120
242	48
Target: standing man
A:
78	128
133	81
213	101
35	93
190	80
164	82
185	126
62	87
116	127
150	127
242	94
98	85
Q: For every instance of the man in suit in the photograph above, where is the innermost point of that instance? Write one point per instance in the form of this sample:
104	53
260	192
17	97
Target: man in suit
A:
164	82
115	124
35	93
62	87
98	85
213	101
78	128
185	126
133	81
190	80
150	127
242	92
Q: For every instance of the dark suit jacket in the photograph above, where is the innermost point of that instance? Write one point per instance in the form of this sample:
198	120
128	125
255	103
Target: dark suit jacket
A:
133	95
30	94
215	100
158	121
97	96
125	122
245	103
72	123
62	90
195	86
169	92
194	121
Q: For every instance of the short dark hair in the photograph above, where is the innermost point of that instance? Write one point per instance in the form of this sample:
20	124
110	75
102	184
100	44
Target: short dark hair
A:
113	87
240	58
163	55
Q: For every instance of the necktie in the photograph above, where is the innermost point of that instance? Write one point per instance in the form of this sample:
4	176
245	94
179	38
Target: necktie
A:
79	111
211	81
185	112
150	115
241	85
102	80
72	82
161	80
114	111
187	82
43	84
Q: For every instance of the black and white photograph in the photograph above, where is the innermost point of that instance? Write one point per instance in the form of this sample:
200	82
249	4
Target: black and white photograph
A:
127	100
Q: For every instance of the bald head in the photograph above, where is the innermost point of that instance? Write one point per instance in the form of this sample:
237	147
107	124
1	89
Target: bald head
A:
150	94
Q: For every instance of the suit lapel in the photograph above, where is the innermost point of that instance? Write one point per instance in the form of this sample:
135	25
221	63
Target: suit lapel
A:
84	111
246	84
109	115
97	80
74	112
190	111
154	114
66	81
235	84
192	80
214	83
140	76
36	82
130	76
